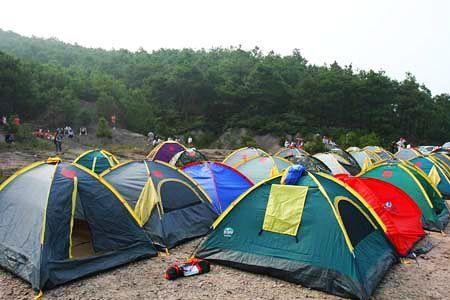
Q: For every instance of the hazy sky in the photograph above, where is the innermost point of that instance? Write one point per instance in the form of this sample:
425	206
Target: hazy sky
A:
393	35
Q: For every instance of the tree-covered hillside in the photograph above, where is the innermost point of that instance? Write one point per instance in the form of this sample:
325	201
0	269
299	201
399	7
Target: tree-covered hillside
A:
176	91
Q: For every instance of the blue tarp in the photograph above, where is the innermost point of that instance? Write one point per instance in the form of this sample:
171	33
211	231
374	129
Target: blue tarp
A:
222	183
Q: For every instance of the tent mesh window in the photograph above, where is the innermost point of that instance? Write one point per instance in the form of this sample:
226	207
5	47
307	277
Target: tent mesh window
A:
355	223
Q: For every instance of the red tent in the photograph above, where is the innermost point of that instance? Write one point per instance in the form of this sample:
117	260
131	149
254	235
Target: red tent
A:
397	210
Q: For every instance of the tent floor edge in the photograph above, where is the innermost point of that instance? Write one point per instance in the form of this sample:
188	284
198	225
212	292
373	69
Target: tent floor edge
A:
440	224
61	272
299	273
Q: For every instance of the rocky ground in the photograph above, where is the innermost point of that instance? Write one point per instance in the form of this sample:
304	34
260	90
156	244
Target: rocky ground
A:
426	278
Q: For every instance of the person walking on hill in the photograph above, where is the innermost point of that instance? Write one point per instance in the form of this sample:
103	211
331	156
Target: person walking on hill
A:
58	142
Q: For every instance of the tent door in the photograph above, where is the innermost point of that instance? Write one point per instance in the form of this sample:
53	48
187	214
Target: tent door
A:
80	234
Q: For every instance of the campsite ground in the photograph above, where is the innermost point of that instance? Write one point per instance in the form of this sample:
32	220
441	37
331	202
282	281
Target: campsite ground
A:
428	278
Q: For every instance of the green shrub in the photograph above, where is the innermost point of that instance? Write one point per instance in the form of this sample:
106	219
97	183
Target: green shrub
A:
85	117
371	139
315	145
103	129
248	141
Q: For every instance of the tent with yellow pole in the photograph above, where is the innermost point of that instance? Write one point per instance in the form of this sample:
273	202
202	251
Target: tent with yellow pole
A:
171	206
262	167
317	232
60	222
381	152
413	181
244	154
97	160
435	171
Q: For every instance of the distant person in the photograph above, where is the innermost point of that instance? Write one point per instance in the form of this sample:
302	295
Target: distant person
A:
292	145
70	132
66	130
9	138
83	131
4	121
16	120
190	141
113	121
286	144
150	137
325	140
400	144
58	142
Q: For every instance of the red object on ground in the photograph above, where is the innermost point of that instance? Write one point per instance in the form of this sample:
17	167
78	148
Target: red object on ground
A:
396	209
193	266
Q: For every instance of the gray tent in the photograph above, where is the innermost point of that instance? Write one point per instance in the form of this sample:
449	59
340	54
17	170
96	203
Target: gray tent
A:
59	222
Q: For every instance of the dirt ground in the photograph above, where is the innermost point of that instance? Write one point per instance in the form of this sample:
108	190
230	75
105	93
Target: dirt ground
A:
426	278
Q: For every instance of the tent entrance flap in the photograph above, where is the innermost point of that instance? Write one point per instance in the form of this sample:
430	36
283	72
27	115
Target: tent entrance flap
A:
285	208
146	202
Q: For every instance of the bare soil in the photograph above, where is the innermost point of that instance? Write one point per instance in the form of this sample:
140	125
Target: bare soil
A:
426	278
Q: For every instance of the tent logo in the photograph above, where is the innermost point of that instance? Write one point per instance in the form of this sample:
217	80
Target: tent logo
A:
228	232
387	174
388	205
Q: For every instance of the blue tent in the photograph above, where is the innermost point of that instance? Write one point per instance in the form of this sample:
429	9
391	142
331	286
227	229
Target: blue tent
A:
222	183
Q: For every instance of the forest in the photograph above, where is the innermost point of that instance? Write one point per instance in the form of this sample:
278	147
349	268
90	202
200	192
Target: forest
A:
180	91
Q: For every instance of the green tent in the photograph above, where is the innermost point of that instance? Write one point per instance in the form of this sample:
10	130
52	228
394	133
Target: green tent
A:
97	160
442	159
317	233
436	172
416	184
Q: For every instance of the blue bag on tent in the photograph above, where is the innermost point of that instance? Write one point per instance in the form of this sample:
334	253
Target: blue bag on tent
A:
292	174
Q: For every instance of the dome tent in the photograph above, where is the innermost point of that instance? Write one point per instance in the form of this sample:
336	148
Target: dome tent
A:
311	163
165	151
326	221
441	158
415	183
381	152
172	207
222	183
435	172
346	160
243	154
331	161
97	160
262	167
75	225
398	211
290	152
187	156
407	154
